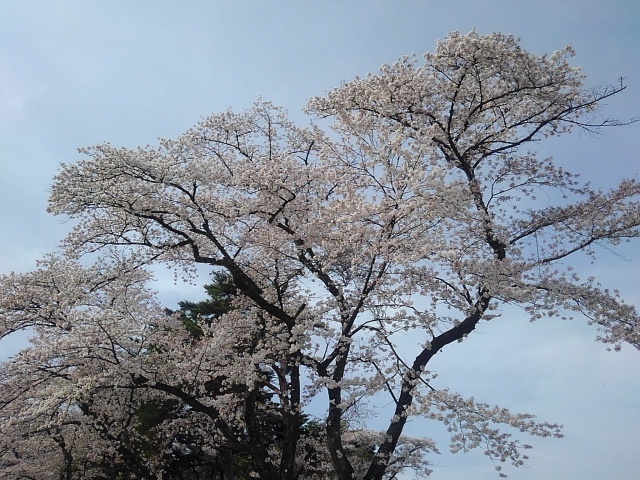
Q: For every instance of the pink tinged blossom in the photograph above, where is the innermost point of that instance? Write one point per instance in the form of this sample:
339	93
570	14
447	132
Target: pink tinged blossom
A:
415	218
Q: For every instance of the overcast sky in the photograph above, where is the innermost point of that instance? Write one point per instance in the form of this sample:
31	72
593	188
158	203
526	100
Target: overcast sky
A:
77	73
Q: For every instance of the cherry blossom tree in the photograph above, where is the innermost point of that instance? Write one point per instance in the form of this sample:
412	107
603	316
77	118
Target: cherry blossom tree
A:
413	203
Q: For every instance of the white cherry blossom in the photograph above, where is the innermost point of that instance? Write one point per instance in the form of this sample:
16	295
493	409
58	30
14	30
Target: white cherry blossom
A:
416	210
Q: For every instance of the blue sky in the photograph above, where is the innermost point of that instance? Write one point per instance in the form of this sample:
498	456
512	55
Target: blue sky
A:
76	73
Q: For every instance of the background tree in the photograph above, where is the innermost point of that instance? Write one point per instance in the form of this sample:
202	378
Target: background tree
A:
421	211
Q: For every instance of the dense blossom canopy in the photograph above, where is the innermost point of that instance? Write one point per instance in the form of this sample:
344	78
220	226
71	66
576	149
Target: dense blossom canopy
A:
418	209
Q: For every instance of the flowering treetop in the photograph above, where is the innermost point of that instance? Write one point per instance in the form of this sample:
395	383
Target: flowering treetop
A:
419	210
